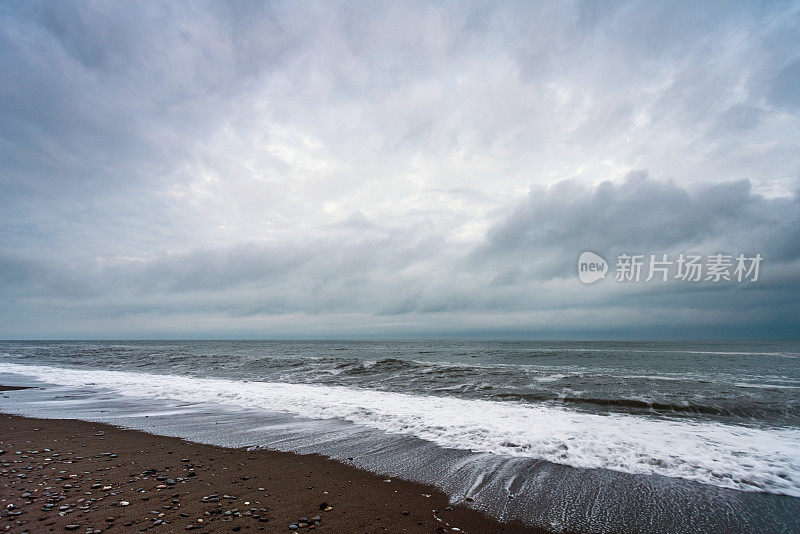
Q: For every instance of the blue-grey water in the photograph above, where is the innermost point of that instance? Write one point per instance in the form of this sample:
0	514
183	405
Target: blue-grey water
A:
589	436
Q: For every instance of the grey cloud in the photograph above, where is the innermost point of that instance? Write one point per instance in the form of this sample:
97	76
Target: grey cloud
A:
243	164
737	118
392	272
642	215
785	90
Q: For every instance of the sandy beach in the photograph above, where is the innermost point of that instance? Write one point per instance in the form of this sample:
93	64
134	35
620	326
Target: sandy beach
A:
68	475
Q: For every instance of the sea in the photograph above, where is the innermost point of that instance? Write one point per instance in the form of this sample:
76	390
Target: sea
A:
588	436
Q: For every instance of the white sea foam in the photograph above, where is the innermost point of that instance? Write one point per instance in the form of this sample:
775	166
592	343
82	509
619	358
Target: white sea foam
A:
549	378
732	456
764	386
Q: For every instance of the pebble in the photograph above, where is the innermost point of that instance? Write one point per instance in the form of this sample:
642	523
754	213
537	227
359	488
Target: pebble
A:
94	500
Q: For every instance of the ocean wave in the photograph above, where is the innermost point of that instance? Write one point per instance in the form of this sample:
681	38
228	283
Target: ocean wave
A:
667	407
731	456
634	350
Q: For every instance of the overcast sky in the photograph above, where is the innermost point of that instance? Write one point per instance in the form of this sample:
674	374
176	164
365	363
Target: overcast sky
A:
366	169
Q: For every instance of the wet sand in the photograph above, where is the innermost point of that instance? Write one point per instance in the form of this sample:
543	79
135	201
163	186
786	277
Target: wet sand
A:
67	475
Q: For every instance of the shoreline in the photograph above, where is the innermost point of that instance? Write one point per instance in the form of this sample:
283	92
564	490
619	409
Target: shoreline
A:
81	473
536	493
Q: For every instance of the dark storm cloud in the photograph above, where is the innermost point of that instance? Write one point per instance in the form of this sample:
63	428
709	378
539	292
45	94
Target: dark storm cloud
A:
645	215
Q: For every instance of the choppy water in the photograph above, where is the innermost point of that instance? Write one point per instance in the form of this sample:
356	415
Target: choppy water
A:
722	415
